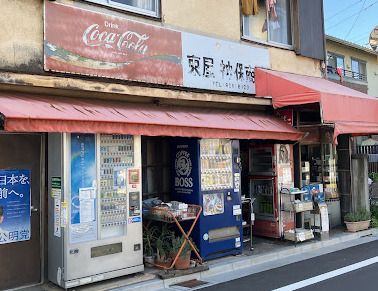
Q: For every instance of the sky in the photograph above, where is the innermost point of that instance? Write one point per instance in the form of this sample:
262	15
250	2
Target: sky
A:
351	20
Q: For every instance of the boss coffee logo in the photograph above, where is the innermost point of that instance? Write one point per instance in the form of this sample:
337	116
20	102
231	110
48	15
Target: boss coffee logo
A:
183	166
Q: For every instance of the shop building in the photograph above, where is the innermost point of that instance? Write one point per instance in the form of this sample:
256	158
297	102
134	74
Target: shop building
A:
330	115
357	65
90	89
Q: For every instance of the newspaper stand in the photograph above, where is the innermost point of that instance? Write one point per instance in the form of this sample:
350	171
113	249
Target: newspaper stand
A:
167	215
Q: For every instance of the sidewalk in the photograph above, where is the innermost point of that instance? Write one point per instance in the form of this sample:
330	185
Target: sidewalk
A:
268	254
230	268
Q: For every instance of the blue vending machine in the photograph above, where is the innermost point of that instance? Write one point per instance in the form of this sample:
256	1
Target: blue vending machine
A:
206	172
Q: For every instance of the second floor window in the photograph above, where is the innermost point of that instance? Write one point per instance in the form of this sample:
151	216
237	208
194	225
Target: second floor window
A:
146	7
358	69
267	21
335	61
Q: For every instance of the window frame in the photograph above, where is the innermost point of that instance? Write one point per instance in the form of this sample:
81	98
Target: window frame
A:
329	54
130	8
267	42
360	62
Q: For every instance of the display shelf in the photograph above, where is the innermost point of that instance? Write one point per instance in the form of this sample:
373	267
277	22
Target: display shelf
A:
298	207
299	234
292	200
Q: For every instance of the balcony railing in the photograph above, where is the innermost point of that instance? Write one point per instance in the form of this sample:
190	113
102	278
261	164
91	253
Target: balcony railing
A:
348	74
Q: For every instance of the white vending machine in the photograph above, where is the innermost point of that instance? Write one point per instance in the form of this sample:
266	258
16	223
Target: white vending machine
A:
95	212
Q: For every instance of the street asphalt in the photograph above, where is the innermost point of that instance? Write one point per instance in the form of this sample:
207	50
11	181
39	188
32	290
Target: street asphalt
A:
361	279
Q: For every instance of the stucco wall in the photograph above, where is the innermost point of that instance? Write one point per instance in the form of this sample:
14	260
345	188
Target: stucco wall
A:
213	17
21	37
288	61
371	63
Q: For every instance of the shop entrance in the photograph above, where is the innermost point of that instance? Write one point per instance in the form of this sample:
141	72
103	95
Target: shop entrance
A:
21	261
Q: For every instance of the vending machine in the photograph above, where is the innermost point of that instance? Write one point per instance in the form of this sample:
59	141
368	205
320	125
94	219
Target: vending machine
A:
207	173
94	221
270	170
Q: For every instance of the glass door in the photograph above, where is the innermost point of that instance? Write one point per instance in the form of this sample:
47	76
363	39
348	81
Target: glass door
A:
263	191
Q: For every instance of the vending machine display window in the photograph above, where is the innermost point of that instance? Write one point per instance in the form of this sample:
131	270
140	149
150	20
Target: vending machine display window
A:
216	164
116	156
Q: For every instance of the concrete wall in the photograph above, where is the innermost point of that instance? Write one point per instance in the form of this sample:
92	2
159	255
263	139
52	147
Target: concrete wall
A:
288	61
21	40
213	17
21	37
370	59
355	86
360	188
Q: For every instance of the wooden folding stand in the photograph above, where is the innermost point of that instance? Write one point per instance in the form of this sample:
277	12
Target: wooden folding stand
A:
167	215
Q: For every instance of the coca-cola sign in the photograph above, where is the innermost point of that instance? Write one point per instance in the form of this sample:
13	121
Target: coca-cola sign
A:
127	41
90	43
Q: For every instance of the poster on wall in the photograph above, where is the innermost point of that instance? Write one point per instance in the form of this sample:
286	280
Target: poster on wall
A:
83	225
15	205
284	166
185	165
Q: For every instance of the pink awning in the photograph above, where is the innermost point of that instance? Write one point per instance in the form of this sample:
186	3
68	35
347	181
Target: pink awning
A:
24	113
350	111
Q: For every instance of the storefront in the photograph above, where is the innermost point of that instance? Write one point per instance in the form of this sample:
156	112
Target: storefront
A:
328	114
94	171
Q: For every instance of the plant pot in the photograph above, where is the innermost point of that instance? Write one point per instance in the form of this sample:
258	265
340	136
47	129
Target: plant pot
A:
163	263
357	226
183	261
149	260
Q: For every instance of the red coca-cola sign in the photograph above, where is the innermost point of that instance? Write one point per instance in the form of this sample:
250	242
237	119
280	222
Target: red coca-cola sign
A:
85	42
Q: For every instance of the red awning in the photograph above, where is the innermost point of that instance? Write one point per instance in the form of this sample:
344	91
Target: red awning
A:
23	113
350	111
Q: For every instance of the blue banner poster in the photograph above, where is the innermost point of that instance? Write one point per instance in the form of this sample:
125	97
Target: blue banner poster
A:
14	206
83	192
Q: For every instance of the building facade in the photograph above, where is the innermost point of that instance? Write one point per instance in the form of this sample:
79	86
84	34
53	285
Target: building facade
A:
359	65
171	70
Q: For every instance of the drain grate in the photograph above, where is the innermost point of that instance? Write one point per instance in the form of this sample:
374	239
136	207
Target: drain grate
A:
191	283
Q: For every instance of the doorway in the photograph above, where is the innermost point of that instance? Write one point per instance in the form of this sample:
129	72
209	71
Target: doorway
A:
21	261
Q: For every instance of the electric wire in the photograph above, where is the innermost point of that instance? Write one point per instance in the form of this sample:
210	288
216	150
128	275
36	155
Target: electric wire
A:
347	18
346	8
355	20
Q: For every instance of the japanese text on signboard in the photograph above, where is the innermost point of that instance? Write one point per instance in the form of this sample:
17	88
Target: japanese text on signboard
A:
14	205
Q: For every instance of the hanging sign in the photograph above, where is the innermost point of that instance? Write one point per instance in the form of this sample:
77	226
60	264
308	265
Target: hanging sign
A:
14	206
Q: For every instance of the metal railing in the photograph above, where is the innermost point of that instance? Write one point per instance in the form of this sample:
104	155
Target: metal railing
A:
347	74
367	149
372	152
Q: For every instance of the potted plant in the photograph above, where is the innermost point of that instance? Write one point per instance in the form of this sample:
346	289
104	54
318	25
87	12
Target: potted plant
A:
183	261
163	246
357	220
150	233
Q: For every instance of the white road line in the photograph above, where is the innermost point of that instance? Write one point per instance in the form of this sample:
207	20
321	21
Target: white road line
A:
328	275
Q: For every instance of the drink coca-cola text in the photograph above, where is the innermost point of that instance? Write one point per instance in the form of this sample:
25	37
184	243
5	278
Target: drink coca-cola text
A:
129	40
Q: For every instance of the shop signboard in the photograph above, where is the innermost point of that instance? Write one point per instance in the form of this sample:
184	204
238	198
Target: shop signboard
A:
215	64
83	226
90	43
15	205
